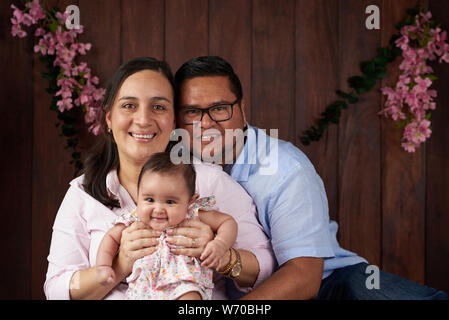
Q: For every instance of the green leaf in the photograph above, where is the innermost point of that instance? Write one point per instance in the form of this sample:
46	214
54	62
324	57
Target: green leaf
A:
368	67
413	11
401	124
305	140
46	75
380	61
361	84
353	98
52	26
381	74
431	77
342	94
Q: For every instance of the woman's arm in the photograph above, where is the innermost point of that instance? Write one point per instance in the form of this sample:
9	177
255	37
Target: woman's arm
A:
71	244
250	271
225	229
136	242
84	284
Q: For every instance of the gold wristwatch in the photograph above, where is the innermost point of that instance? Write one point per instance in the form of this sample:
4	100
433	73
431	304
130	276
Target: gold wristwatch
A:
233	269
237	268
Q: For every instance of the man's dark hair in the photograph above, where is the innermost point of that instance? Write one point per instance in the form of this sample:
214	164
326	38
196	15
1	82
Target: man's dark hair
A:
160	162
209	66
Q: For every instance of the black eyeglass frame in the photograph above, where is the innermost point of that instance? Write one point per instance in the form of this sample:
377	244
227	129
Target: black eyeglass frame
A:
206	110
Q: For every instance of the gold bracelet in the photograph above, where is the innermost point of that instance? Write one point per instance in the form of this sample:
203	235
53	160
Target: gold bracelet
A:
229	266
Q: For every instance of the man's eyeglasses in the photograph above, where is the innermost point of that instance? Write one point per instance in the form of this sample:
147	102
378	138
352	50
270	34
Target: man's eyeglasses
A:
218	113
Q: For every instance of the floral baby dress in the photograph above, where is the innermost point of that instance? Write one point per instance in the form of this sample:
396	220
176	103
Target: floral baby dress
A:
164	275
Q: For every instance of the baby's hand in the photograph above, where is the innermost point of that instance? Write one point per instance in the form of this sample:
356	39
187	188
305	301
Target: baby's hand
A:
213	253
105	275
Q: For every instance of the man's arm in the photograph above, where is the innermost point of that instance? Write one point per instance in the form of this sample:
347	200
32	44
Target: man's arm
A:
297	279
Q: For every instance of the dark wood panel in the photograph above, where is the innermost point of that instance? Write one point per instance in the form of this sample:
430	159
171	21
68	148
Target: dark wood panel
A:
186	30
101	20
230	38
403	180
273	67
102	28
316	82
437	174
16	103
142	31
52	172
359	139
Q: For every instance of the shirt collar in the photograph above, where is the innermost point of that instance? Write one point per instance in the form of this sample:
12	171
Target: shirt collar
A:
241	168
116	190
113	183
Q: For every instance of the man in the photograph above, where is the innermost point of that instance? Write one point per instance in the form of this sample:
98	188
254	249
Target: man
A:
291	200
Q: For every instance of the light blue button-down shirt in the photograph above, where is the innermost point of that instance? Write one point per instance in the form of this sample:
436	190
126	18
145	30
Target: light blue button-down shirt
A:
291	201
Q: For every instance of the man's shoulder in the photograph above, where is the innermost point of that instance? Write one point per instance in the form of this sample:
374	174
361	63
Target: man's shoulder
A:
289	156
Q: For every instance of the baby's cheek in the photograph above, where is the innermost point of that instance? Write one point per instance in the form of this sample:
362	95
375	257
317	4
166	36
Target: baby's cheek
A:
176	217
143	216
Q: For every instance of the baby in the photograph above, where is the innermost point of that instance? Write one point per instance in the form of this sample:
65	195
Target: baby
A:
166	197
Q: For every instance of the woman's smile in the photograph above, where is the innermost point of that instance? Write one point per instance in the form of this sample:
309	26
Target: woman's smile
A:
143	137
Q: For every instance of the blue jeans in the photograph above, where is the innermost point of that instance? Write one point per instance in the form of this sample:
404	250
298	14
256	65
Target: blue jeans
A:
349	283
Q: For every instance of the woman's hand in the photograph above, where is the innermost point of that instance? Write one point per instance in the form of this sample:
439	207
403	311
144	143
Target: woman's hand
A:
197	235
137	242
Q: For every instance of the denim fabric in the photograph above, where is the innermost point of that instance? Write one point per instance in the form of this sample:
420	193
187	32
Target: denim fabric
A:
349	283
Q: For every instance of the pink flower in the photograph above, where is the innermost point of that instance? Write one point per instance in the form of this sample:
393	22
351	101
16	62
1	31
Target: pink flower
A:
99	94
62	17
64	104
42	47
28	19
65	92
417	132
17	31
408	146
402	42
426	16
422	84
36	10
444	57
82	48
424	130
39	32
84	98
18	14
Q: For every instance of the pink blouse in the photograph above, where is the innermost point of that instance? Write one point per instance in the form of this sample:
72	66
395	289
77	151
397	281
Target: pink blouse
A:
82	221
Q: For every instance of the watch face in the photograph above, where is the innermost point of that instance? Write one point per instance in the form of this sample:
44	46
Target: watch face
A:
236	270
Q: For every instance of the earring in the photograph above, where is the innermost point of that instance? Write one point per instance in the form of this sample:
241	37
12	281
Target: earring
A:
109	130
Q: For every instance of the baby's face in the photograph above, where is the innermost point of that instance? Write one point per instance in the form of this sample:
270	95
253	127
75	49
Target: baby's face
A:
163	200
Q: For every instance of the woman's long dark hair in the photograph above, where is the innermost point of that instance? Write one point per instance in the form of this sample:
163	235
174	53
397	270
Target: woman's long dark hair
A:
104	156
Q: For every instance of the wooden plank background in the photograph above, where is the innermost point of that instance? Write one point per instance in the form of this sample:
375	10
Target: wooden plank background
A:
291	56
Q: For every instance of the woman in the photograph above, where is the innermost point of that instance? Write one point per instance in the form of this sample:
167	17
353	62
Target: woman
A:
137	122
